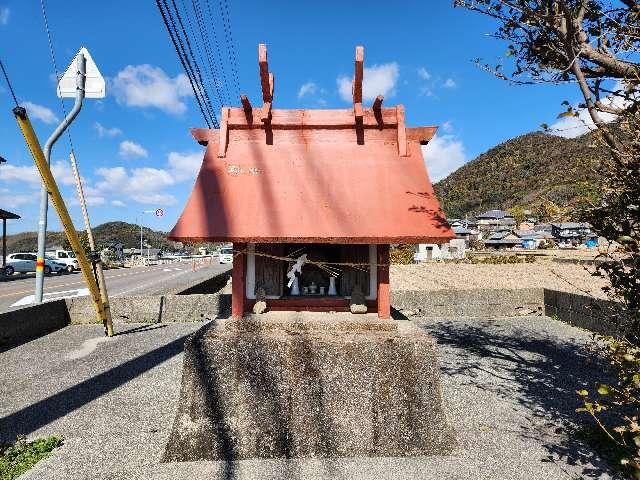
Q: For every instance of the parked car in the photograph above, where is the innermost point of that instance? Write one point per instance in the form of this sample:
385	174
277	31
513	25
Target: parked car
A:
66	257
26	262
226	255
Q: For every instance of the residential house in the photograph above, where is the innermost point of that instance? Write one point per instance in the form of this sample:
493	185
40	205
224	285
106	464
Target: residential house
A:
494	220
503	239
571	233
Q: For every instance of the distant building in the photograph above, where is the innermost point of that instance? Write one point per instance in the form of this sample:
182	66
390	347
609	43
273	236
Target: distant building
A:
532	239
503	239
571	232
495	219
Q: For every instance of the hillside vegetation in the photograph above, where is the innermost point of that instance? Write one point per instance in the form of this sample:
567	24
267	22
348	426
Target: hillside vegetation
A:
126	233
526	171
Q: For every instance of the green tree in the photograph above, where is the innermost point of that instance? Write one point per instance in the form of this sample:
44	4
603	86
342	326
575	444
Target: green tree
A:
518	214
594	44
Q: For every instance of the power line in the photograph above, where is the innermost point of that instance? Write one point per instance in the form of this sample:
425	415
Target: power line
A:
195	39
207	47
217	43
6	77
168	21
229	40
55	67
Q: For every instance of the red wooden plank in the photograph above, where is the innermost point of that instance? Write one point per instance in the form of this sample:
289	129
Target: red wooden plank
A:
238	281
358	75
377	103
264	72
224	132
402	133
292	119
246	104
384	300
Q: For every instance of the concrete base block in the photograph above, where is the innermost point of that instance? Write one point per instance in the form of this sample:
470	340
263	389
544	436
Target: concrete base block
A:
309	385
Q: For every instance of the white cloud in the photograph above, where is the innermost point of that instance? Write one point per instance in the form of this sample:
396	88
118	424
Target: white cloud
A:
4	15
308	88
184	166
143	185
377	80
118	203
106	132
41	113
149	86
10	199
447	127
129	149
424	74
443	155
571	127
449	83
61	170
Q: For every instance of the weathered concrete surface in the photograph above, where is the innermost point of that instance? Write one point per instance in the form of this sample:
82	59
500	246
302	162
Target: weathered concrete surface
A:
290	386
597	315
154	308
25	324
470	303
508	389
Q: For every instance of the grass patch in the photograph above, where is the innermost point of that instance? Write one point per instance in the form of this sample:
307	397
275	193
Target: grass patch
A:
20	457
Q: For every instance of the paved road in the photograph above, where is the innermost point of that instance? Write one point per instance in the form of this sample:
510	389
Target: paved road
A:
120	282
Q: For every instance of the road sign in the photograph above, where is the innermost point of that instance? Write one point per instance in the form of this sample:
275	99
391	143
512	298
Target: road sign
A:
159	212
94	86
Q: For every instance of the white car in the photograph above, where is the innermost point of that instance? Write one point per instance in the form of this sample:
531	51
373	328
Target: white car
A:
226	255
26	262
66	257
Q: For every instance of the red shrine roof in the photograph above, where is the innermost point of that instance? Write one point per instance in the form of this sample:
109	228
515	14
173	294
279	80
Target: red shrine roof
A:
323	176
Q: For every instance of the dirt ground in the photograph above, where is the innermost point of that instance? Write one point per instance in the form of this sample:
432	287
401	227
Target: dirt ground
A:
542	273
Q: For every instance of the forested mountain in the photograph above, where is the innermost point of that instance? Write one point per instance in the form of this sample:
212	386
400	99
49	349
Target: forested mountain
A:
524	171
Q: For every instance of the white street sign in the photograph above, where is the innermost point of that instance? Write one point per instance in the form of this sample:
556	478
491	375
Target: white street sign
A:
94	86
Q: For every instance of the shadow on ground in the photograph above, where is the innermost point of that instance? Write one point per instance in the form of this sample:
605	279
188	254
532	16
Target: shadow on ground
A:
540	372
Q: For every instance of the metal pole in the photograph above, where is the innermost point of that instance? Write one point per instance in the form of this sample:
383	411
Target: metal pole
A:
45	172
141	240
99	273
44	195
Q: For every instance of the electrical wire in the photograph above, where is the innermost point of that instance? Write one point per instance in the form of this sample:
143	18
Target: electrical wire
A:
195	62
55	68
6	77
168	21
229	40
217	44
207	47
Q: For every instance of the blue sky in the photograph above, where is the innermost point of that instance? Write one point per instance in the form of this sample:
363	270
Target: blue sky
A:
134	148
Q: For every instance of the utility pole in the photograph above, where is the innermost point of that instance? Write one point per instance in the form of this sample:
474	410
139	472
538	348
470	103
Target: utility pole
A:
102	285
81	64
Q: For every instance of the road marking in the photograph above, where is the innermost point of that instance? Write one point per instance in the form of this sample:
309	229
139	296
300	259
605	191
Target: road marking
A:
29	299
166	269
137	272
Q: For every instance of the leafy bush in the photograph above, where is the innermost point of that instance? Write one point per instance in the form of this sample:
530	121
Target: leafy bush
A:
501	259
401	254
621	401
17	459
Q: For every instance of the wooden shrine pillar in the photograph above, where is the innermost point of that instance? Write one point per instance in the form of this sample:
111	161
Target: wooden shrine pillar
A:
4	242
384	300
238	280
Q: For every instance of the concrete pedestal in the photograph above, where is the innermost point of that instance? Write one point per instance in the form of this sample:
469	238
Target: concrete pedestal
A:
309	385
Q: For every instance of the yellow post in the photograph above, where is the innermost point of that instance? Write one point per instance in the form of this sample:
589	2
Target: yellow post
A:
50	183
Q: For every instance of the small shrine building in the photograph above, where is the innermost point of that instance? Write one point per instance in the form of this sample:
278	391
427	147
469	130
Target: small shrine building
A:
312	199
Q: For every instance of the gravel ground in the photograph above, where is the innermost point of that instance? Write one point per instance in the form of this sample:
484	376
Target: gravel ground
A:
508	387
542	273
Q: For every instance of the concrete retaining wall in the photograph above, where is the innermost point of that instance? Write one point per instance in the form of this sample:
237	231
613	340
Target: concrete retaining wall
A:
19	326
596	315
469	303
154	308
